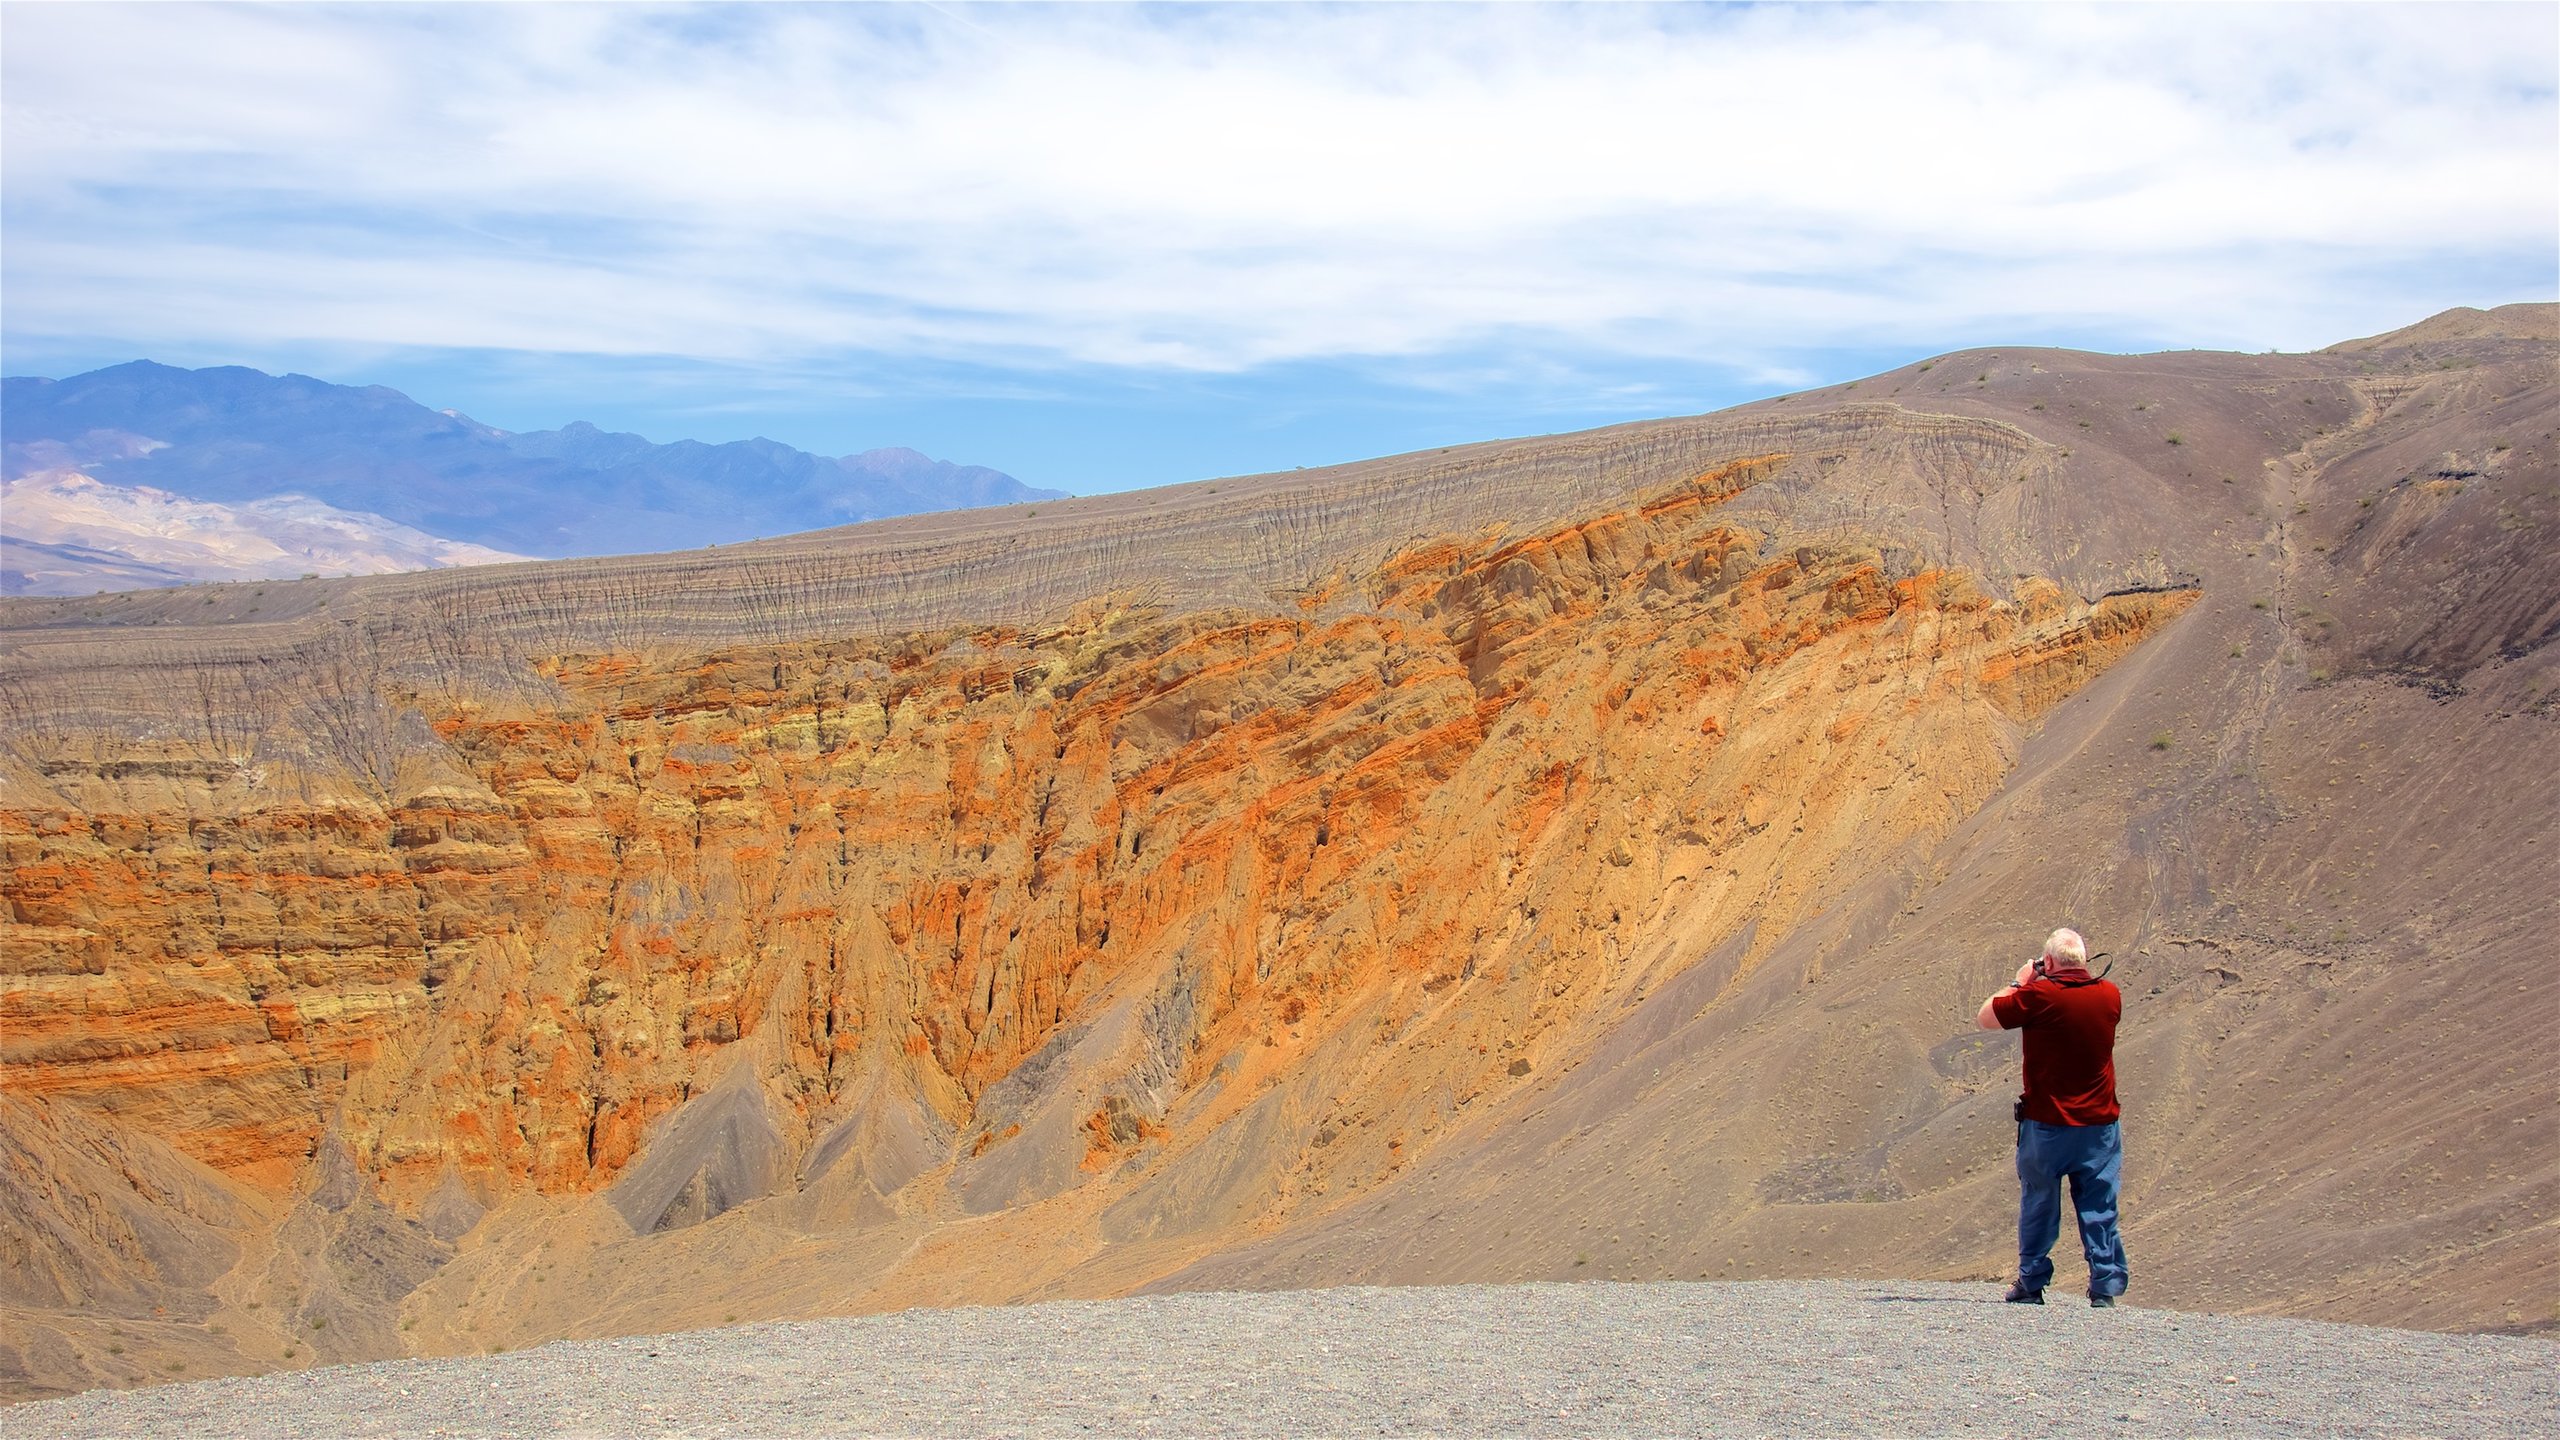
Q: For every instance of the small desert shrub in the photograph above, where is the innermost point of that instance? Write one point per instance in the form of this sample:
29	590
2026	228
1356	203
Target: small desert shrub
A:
2176	439
2163	740
2257	604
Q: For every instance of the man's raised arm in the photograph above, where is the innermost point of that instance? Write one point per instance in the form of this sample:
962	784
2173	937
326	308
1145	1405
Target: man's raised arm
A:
1988	1019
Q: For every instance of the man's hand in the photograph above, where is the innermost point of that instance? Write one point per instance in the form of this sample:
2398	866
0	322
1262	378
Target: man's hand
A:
1987	1019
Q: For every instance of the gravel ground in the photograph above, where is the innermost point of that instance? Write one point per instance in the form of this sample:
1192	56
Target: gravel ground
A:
1768	1358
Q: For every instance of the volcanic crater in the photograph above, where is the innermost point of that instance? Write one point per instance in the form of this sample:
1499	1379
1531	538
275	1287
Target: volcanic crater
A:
1562	858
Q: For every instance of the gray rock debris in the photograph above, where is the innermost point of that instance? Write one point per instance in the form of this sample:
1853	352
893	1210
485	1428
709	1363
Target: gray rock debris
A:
1766	1358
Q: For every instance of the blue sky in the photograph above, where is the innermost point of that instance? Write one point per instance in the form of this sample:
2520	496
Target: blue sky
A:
1102	247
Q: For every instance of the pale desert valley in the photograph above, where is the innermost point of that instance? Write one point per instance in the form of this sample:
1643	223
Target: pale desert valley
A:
1569	858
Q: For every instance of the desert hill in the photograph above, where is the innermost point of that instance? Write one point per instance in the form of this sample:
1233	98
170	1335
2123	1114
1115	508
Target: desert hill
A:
1574	857
70	534
2506	322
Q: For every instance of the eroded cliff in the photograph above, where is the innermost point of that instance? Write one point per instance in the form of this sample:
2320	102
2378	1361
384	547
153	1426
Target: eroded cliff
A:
921	859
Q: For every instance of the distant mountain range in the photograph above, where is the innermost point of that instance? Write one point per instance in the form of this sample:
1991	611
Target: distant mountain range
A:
150	436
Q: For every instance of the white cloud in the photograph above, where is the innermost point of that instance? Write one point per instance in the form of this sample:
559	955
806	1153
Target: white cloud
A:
1221	188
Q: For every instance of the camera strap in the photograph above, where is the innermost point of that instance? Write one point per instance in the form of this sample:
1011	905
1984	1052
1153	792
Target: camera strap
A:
2092	980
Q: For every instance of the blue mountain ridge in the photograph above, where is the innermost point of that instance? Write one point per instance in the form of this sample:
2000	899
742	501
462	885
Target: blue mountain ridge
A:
234	434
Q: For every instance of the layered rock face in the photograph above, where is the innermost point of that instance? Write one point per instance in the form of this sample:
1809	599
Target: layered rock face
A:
922	860
1397	874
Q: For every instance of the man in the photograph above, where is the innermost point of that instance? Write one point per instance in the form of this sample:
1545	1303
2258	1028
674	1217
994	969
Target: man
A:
2067	1118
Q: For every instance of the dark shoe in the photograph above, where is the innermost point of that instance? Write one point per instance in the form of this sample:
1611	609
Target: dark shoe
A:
2019	1294
2101	1302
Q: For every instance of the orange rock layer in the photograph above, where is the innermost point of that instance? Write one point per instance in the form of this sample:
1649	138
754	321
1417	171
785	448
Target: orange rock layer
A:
1423	826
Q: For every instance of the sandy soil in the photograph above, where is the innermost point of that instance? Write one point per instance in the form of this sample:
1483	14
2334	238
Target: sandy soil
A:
1697	1359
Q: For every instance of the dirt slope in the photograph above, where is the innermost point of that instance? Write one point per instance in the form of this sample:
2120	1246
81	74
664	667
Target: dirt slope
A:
1554	858
2506	322
2315	822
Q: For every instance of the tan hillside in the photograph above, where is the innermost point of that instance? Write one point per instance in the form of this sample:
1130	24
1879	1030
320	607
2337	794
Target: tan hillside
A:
1551	858
2535	321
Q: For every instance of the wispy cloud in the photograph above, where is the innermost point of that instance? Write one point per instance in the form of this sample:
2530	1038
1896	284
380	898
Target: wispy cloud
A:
1213	190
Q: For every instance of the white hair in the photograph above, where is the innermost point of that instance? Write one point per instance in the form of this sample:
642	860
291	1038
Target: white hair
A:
2066	949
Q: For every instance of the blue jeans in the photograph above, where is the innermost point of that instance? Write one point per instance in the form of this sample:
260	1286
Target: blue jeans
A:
2091	1156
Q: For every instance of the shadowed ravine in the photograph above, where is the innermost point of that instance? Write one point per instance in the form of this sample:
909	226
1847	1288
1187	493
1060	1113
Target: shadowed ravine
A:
1554	859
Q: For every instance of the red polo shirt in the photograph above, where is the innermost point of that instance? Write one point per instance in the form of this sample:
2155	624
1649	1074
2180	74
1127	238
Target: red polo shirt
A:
2071	1048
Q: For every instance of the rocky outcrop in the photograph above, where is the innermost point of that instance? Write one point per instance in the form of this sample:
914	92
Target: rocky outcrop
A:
1050	881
